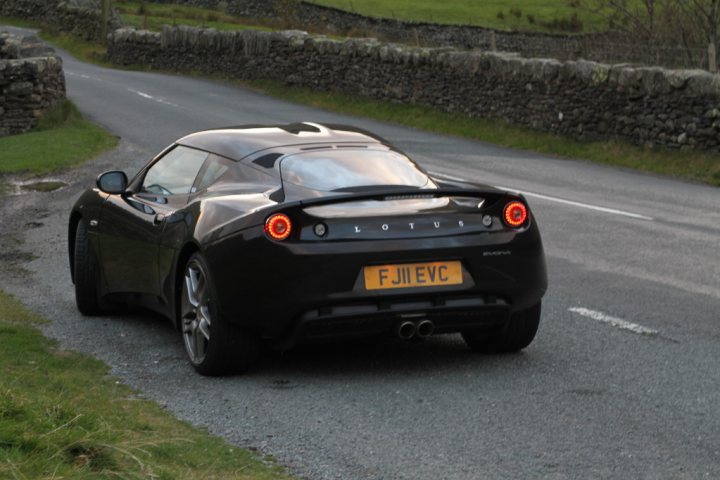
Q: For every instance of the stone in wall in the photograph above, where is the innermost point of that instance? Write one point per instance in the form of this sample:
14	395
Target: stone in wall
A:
585	100
31	82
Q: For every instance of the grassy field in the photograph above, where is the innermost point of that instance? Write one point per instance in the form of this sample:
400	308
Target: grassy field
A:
152	16
61	139
531	15
63	416
535	15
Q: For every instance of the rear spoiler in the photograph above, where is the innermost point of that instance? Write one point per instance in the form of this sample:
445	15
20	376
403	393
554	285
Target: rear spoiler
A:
403	193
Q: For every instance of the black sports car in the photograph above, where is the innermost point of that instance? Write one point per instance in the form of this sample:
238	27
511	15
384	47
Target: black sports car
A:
300	232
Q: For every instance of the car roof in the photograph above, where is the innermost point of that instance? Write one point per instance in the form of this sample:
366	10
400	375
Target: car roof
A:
238	142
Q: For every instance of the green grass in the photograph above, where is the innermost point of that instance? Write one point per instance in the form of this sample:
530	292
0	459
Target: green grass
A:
530	15
88	51
686	164
152	16
63	416
62	139
534	15
155	23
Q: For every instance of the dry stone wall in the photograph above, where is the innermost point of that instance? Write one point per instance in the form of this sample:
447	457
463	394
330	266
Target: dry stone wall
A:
586	100
31	82
608	47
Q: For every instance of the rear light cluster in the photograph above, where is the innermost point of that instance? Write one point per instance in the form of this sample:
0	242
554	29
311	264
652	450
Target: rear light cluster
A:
515	214
278	226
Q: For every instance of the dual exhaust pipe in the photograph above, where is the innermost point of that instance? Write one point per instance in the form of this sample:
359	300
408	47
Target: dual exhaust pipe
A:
420	329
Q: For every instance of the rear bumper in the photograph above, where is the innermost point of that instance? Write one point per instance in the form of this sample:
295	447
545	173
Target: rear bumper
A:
294	291
448	314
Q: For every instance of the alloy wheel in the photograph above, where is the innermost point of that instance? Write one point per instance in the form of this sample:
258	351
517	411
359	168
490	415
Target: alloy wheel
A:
195	310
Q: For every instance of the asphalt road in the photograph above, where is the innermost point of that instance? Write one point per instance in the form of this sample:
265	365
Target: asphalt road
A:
623	380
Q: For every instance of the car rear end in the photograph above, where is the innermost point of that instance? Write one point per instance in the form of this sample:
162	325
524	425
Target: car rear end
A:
394	261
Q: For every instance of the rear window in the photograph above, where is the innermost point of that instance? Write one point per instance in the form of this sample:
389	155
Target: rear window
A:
329	170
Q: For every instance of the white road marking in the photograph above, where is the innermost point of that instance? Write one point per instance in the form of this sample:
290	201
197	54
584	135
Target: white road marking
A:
613	321
583	205
81	75
136	92
150	97
573	203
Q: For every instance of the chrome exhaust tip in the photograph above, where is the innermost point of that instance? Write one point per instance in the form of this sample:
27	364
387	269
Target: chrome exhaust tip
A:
425	328
406	330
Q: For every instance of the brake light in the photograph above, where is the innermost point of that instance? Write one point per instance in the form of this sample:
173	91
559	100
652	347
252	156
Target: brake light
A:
278	226
515	214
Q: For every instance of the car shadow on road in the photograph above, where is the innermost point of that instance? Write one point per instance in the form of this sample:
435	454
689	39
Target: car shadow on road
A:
368	356
373	356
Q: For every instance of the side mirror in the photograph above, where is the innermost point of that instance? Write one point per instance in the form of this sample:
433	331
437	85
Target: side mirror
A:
113	182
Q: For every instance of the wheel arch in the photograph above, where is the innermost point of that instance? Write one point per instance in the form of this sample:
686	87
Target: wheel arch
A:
186	252
75	219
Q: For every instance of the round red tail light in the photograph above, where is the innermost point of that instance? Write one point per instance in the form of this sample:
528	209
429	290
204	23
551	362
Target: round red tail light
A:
515	214
278	226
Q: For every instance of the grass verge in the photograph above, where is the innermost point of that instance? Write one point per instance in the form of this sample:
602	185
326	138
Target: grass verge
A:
63	138
62	416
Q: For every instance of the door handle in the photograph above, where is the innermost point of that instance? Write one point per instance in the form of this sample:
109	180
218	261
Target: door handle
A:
159	218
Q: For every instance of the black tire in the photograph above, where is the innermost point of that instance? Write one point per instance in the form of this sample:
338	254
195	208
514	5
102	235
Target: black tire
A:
518	334
86	273
212	345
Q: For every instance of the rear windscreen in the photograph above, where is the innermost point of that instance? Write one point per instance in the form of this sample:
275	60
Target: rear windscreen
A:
330	170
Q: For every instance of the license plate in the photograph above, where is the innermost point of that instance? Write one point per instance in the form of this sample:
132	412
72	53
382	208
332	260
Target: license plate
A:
432	274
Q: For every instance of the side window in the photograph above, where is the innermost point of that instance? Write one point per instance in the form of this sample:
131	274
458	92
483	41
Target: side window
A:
214	168
174	174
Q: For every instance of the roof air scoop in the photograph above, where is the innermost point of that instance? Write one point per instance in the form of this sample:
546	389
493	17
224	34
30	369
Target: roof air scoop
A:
320	128
304	127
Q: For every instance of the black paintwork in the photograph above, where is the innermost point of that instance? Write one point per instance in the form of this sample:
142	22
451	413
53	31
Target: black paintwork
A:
309	286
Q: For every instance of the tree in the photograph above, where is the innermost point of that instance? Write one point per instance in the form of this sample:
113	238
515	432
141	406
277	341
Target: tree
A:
692	26
705	15
632	17
105	9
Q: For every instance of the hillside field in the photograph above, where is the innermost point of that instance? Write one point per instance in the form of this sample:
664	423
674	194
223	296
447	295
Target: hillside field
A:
537	15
